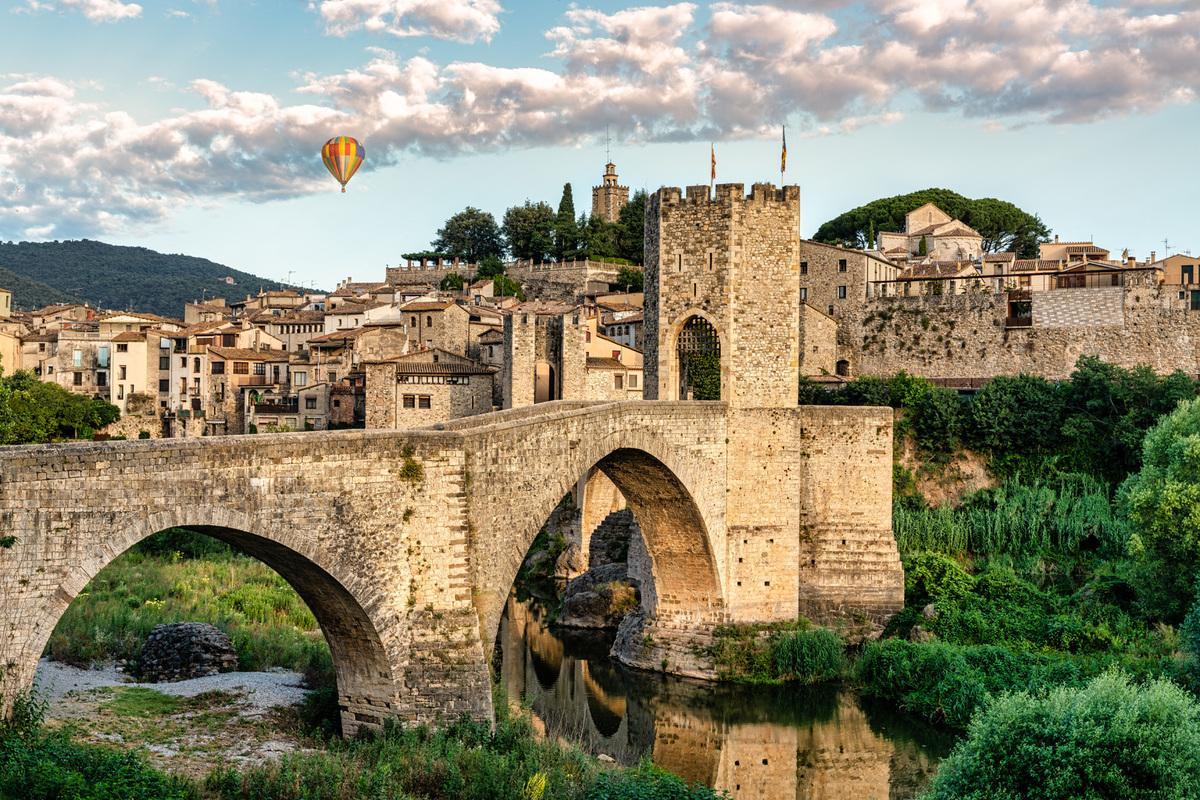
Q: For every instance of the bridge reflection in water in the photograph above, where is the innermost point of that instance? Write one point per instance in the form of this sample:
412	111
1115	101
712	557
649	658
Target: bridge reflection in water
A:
753	742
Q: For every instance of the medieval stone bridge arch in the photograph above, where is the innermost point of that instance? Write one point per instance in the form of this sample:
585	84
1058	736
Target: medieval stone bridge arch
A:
406	543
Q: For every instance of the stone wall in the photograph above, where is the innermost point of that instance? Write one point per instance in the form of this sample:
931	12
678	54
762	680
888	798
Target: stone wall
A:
965	335
818	342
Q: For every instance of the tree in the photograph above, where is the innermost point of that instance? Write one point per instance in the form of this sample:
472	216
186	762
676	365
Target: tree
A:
33	411
631	228
566	234
1002	225
489	267
453	282
470	234
631	279
598	237
923	247
529	231
1016	417
504	286
1109	739
1162	503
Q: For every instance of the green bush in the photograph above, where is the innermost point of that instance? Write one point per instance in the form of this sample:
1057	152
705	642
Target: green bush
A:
646	782
811	656
930	577
937	420
1110	739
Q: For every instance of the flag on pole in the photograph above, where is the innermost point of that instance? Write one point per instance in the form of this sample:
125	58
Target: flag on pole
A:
713	177
783	153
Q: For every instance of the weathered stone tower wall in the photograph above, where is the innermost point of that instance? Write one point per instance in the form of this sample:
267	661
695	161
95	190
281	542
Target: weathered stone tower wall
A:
733	260
516	376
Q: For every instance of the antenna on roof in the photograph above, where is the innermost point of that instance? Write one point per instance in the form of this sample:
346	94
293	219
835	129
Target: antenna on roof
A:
1166	247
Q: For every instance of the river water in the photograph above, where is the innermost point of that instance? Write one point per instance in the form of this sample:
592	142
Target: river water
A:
752	742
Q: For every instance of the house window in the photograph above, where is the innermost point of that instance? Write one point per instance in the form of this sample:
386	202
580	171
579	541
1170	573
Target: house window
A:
803	293
228	340
429	320
841	293
102	379
423	401
633	380
300	378
102	357
218	368
79	379
618	381
77	359
260	368
164	362
310	402
122	371
241	368
803	267
841	265
337	403
183	362
164	386
410	401
122	347
195	365
120	391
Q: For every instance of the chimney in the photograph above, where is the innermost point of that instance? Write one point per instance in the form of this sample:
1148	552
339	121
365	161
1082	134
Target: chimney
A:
1153	256
1131	261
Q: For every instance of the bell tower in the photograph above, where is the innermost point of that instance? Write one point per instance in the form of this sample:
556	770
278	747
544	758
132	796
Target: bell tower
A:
610	196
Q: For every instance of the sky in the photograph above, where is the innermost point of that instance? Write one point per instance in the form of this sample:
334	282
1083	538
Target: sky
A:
194	126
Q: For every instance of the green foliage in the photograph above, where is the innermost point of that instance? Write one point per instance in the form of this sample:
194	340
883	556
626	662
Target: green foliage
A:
631	226
1003	225
923	247
704	376
931	577
566	229
489	267
453	282
1189	634
1109	739
946	683
646	782
529	231
1016	419
631	279
598	238
1162	502
470	234
176	579
504	286
36	764
1064	514
40	273
937	420
34	411
808	656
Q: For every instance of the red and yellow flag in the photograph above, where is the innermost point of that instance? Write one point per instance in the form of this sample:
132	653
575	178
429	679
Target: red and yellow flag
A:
713	177
783	153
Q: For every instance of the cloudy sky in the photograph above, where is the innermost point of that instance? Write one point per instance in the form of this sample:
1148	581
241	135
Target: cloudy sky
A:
194	125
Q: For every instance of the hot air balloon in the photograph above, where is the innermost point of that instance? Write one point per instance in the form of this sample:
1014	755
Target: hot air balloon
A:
343	155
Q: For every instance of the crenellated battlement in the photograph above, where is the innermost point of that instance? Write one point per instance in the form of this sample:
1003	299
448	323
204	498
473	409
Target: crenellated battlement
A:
727	194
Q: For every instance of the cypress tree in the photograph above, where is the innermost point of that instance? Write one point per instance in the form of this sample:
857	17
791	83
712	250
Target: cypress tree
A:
566	231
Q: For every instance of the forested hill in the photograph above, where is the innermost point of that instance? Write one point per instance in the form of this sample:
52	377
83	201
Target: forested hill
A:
109	276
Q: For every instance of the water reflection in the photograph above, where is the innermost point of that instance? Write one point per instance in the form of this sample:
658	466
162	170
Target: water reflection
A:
753	742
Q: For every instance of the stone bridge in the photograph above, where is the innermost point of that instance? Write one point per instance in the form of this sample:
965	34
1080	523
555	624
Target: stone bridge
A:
405	544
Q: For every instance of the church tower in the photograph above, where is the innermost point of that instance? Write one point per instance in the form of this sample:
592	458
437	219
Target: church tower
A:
609	197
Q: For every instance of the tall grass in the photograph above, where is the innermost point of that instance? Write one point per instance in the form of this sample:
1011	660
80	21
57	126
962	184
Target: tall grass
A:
268	623
1066	514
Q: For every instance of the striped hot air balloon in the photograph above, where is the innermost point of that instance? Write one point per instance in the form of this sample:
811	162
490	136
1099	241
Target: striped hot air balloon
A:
343	155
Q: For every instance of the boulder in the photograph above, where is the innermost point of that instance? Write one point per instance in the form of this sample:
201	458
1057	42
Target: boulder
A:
569	564
600	598
184	650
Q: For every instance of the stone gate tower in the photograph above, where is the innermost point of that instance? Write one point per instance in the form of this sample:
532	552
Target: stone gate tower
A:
732	262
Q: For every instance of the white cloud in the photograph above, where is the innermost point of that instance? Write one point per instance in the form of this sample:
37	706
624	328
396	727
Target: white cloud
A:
461	20
95	10
669	73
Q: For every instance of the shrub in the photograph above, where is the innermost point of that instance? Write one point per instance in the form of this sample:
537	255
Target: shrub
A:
1110	739
937	420
811	656
646	782
931	577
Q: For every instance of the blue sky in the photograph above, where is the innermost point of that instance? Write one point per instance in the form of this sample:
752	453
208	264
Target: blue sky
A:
194	125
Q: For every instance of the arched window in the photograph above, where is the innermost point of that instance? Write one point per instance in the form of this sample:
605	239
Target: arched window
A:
698	353
843	368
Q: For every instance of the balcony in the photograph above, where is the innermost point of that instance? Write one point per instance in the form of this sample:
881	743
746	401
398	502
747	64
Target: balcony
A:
283	406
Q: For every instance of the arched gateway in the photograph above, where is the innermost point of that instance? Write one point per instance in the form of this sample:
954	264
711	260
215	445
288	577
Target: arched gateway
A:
405	544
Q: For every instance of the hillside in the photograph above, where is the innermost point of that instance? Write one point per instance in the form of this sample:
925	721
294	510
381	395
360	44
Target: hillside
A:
109	276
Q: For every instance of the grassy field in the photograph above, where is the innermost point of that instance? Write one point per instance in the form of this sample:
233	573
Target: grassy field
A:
183	577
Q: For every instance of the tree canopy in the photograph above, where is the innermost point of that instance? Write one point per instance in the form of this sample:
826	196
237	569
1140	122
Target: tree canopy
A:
1004	226
470	234
566	231
34	411
529	231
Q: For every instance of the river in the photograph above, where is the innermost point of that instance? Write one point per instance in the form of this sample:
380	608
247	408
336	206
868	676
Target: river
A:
752	742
